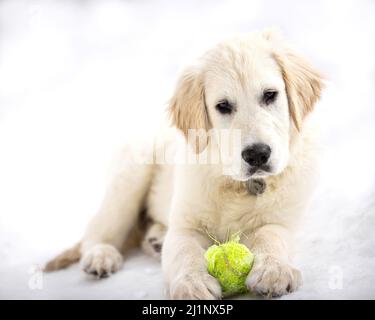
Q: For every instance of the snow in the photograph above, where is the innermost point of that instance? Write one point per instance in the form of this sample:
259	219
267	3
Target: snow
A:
72	88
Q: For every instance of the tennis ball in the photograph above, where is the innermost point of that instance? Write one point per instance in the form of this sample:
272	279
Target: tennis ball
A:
230	263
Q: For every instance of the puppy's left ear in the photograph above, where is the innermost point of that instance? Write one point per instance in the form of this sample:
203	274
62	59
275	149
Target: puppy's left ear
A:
303	84
187	108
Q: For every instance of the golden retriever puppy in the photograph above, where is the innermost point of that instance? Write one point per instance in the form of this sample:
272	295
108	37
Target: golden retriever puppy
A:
247	164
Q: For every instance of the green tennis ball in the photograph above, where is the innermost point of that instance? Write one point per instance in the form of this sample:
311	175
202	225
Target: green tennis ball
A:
230	263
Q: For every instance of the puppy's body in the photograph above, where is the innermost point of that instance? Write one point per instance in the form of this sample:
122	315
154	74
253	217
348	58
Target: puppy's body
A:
190	203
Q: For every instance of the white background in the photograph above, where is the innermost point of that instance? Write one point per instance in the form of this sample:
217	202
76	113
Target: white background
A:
78	78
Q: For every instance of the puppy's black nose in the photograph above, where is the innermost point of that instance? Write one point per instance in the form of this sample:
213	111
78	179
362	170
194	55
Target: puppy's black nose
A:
257	154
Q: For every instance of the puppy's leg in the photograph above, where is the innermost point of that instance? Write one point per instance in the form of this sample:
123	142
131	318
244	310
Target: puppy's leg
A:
118	214
272	275
153	240
185	268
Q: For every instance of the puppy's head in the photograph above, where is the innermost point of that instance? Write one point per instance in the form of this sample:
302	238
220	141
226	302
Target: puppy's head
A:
252	85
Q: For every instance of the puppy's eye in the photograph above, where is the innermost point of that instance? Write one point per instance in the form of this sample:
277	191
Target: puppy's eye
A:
224	107
269	96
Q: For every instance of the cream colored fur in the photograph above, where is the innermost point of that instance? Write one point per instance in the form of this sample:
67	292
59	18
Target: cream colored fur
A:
194	200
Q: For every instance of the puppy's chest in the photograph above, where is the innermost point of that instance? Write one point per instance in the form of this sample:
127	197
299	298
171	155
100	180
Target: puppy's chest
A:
235	213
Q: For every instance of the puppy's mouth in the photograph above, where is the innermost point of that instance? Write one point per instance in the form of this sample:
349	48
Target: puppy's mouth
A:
255	173
258	172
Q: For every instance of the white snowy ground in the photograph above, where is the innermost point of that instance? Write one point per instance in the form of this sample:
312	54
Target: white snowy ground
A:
77	79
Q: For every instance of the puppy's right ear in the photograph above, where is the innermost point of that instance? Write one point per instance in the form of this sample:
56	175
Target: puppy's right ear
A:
187	108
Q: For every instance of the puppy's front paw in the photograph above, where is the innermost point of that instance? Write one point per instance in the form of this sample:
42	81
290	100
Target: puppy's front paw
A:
195	286
272	278
101	260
